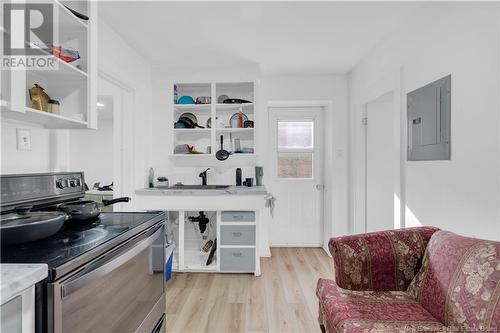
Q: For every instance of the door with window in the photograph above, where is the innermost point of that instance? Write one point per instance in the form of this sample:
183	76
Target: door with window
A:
296	176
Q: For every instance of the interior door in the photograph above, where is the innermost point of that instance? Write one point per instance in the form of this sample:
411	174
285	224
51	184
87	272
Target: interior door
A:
296	151
379	166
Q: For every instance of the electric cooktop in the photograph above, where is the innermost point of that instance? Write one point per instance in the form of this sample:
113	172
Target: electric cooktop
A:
76	240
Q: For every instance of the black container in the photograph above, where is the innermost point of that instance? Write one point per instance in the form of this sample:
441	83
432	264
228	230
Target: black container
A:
248	182
238	176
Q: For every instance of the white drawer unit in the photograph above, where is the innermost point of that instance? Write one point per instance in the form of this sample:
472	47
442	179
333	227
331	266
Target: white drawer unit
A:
237	235
237	259
238	216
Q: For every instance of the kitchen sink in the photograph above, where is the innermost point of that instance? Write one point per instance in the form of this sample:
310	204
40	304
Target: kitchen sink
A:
199	187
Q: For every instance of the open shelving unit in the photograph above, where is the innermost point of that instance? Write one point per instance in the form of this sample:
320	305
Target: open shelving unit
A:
72	84
207	139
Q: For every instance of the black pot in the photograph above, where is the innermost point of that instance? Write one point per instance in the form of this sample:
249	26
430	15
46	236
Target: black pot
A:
87	210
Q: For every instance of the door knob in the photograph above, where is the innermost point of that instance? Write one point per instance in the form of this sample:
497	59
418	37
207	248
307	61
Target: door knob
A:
320	187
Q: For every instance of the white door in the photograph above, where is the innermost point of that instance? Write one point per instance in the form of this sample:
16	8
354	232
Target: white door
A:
296	176
380	165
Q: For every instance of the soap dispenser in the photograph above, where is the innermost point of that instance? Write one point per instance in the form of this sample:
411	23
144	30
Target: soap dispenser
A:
238	176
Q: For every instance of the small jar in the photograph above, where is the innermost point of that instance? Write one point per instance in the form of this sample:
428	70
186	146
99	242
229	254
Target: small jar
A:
53	106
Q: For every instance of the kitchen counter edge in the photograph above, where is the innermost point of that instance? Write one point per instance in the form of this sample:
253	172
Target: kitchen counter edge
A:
18	277
232	190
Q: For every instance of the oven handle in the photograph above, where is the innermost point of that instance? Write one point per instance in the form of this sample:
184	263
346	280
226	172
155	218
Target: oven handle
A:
81	281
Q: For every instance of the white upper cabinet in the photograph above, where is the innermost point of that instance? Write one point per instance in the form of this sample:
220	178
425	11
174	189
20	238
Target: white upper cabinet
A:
72	84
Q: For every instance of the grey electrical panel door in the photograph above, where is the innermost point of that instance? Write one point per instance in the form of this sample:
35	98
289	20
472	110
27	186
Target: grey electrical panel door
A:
429	121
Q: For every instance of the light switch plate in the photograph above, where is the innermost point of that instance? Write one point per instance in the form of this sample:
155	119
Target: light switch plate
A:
23	139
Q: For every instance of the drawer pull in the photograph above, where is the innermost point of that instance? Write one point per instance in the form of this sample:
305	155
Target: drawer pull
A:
237	254
238	217
237	234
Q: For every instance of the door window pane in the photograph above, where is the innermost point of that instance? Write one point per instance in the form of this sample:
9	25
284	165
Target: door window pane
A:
295	165
295	134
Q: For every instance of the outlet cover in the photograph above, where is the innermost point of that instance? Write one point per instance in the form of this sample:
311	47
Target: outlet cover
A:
23	139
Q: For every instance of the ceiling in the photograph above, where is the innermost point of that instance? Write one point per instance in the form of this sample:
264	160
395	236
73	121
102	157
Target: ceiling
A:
297	37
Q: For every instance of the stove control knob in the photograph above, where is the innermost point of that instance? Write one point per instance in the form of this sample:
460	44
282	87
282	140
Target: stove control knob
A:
78	182
72	183
62	183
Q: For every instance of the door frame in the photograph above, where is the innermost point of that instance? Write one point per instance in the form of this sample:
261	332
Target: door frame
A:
392	82
123	141
327	108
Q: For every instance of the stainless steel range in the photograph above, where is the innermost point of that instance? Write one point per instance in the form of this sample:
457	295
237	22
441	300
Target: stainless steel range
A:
105	275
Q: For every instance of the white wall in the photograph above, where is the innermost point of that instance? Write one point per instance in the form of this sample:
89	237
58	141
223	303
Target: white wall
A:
461	39
93	153
21	161
120	62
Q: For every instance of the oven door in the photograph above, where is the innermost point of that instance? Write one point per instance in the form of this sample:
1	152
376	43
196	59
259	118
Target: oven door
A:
121	291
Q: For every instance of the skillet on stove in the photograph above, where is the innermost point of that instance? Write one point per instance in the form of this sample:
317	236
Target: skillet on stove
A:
25	226
87	210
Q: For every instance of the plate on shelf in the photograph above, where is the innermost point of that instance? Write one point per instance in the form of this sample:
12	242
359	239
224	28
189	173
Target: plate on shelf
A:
234	121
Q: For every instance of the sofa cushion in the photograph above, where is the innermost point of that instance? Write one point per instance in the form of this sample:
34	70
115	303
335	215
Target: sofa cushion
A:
459	282
353	311
382	261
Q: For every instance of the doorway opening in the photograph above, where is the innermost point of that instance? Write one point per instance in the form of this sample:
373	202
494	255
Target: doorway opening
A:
99	153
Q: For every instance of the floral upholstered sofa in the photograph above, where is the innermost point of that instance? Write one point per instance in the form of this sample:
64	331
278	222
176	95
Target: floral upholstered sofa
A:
411	280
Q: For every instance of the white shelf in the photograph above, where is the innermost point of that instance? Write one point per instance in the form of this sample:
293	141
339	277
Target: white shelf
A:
44	119
192	107
64	71
194	266
224	106
192	130
235	130
191	155
68	21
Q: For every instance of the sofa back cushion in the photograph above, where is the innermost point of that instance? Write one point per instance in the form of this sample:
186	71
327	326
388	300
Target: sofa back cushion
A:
459	282
380	261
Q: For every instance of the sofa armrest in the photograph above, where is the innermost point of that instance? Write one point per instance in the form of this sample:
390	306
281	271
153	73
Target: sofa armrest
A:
381	261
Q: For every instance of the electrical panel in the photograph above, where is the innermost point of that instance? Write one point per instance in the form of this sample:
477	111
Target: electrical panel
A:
429	121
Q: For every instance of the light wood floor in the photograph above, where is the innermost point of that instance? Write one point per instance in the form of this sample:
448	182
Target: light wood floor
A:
281	300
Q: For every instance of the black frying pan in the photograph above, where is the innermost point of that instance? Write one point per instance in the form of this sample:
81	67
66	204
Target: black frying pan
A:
87	210
25	226
222	154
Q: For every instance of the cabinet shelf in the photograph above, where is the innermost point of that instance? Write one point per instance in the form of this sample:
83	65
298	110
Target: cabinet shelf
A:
192	130
191	155
67	20
231	107
65	71
192	107
235	130
44	119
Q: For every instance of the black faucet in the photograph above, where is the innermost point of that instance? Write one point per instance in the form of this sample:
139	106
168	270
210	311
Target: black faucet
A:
203	176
